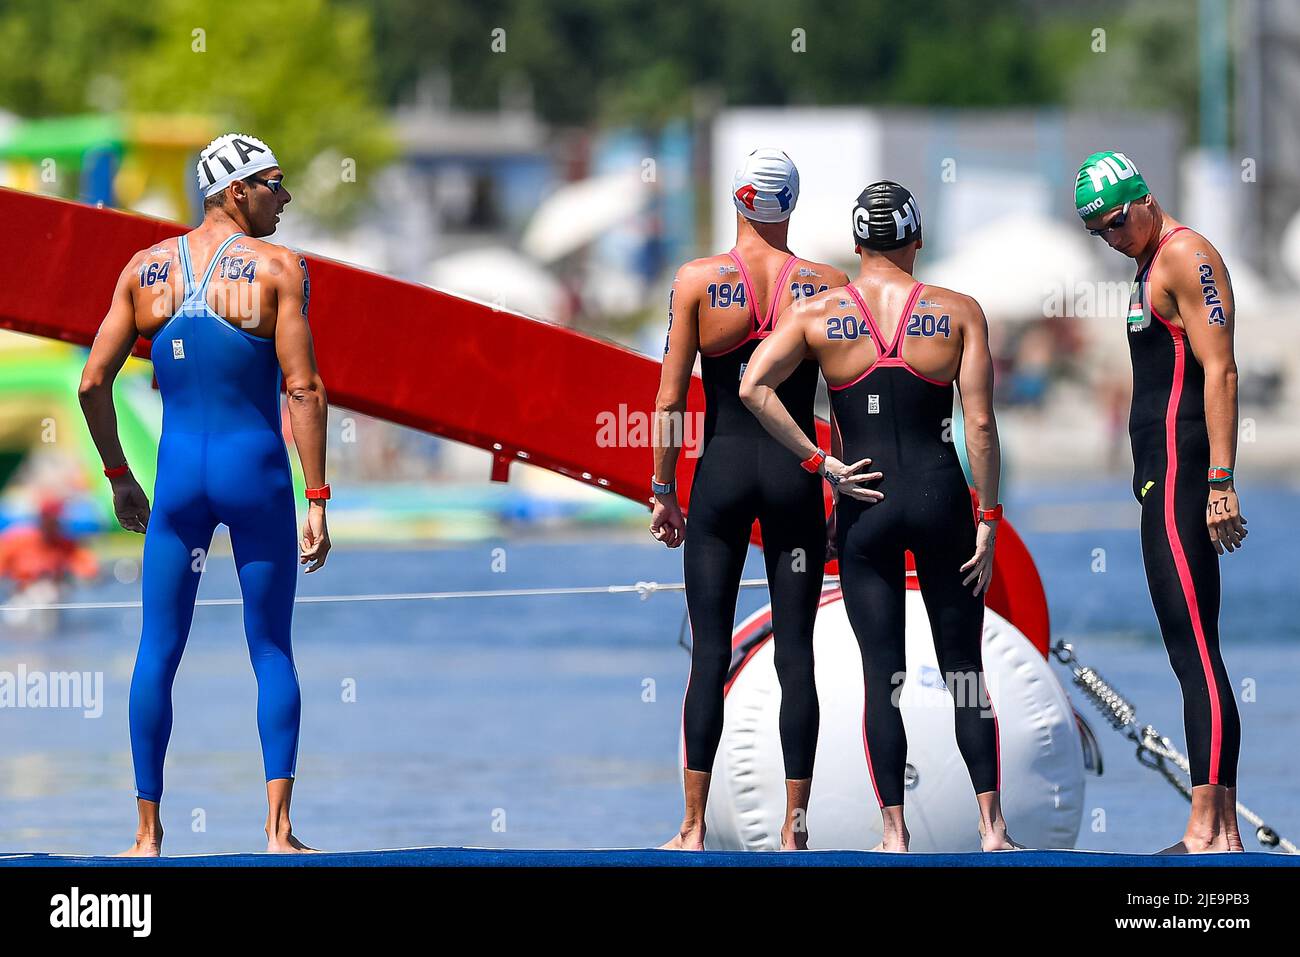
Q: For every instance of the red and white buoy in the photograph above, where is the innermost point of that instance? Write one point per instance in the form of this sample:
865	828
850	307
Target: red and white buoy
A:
1041	753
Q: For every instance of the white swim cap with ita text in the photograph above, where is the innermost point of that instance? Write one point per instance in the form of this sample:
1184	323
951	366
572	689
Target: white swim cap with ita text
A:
231	157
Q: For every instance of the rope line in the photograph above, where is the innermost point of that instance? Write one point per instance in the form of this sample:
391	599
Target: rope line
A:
644	589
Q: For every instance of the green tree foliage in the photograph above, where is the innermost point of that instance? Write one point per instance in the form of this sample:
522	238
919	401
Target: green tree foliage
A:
59	57
297	73
307	75
1151	61
631	60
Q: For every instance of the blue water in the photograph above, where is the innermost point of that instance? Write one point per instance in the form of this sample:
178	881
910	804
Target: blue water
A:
522	722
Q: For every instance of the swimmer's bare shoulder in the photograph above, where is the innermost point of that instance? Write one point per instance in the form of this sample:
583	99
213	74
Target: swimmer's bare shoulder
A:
281	261
818	275
695	275
286	273
1190	280
151	274
167	250
811	313
133	266
964	311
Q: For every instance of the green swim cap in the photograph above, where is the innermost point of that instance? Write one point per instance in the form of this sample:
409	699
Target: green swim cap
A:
1107	180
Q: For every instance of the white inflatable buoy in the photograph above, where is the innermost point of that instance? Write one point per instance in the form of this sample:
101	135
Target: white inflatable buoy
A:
1041	755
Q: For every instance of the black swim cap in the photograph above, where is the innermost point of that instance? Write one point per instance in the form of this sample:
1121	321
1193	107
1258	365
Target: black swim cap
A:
886	216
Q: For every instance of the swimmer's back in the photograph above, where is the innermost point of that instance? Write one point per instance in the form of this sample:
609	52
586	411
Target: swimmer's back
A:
735	304
890	353
723	298
936	328
213	345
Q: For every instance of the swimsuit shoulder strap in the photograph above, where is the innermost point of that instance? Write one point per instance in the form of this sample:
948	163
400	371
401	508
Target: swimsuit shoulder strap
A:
212	266
896	346
1144	274
187	269
749	287
875	334
770	322
1145	271
870	320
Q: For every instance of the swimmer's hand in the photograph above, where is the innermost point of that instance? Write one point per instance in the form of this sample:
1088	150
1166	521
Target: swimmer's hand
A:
1223	517
315	543
848	479
130	504
667	523
980	565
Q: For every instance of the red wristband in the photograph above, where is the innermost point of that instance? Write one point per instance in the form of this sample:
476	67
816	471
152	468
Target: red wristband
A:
993	514
814	462
117	471
321	494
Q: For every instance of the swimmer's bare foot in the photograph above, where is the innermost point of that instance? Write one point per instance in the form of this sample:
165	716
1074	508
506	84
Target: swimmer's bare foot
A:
792	840
894	846
286	843
893	841
690	836
794	831
148	830
997	839
1234	840
279	830
687	839
1229	816
894	836
1197	845
1212	816
146	845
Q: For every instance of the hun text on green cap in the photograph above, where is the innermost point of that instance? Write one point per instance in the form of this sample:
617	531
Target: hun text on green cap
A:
1106	180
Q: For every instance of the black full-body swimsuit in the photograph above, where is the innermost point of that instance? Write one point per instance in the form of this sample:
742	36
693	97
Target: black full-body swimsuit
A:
1171	457
902	421
744	474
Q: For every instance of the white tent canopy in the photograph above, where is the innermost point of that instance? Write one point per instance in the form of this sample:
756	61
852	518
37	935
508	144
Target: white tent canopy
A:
1290	248
501	277
1022	266
577	213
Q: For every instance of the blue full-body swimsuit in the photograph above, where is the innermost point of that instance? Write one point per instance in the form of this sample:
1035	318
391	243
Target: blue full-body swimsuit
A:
221	460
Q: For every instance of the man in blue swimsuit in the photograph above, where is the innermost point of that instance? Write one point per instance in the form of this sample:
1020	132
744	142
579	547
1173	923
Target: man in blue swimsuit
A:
227	317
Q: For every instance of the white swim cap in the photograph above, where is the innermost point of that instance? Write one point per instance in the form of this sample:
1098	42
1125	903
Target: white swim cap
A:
231	157
766	187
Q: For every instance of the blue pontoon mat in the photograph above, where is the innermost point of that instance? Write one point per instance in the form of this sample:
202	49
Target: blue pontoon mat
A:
490	857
